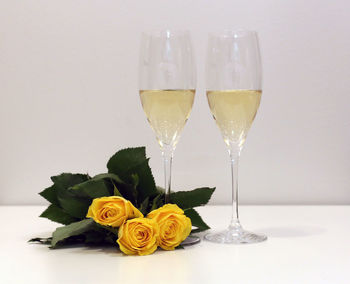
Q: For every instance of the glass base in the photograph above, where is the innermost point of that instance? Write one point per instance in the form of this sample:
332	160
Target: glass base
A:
191	240
235	235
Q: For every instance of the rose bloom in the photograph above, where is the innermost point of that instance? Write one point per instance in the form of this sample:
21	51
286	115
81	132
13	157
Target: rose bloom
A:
174	225
138	236
112	211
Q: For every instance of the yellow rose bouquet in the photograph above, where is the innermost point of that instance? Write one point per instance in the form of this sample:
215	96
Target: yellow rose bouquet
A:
122	207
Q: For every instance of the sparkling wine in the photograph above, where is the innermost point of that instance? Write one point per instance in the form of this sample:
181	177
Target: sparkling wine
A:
234	112
167	112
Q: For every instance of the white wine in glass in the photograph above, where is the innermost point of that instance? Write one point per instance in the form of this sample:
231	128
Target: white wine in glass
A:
234	94
167	83
234	112
167	112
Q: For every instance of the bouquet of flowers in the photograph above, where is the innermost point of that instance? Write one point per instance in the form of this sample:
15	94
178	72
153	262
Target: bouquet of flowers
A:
123	207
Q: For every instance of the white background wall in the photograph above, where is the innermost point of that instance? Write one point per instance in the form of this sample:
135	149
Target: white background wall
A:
69	100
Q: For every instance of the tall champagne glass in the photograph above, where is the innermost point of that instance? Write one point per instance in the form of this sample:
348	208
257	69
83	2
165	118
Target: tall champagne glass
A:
167	83
234	87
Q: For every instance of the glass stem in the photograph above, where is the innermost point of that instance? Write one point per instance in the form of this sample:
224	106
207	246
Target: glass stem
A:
234	157
167	153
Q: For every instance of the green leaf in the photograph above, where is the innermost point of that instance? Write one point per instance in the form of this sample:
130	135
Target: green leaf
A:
193	198
50	195
44	241
122	161
74	229
180	247
196	220
146	185
92	188
144	206
73	205
68	179
113	180
134	181
128	191
116	191
57	214
101	235
160	189
131	163
94	237
111	176
157	201
110	229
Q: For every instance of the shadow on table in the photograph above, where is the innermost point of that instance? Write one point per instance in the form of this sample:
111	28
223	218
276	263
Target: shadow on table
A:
291	232
92	249
106	249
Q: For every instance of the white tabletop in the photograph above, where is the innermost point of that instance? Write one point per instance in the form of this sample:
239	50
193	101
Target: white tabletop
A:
307	244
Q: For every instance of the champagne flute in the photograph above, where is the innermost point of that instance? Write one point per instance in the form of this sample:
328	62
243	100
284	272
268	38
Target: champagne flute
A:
167	83
234	84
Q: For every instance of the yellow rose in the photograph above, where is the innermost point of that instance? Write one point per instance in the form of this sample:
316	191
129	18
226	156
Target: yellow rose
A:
138	236
112	211
174	226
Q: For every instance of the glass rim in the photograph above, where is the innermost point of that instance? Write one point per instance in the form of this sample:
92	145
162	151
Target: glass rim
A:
166	32
233	33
